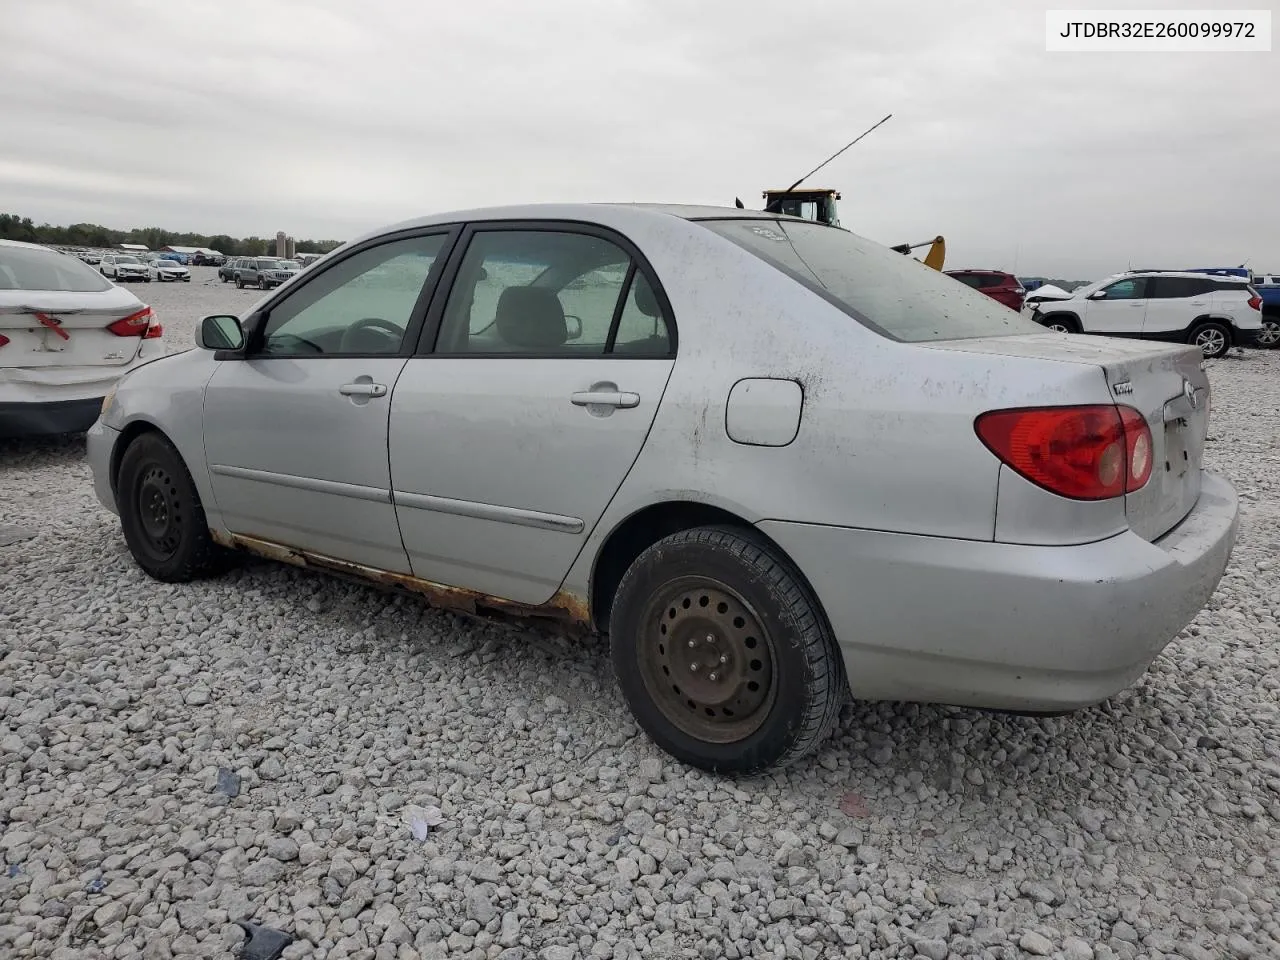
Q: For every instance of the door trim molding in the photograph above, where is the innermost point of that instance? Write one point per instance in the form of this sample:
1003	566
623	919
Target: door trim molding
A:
313	484
489	511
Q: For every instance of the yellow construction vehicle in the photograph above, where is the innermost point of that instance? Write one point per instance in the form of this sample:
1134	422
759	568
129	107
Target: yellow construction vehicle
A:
820	206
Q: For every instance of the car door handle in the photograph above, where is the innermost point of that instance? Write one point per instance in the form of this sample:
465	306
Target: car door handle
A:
605	398
363	389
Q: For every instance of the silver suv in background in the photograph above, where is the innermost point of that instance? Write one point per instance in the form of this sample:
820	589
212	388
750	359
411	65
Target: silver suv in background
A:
1214	313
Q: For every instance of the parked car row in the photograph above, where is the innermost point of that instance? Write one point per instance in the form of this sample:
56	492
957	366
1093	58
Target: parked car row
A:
1213	309
1213	312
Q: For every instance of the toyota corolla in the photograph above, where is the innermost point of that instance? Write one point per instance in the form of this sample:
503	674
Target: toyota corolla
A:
776	463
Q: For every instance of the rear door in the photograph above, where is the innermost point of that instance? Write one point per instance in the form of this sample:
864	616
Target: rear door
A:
1172	303
1118	309
509	440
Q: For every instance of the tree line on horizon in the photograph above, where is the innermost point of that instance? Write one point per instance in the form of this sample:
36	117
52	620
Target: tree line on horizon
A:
13	227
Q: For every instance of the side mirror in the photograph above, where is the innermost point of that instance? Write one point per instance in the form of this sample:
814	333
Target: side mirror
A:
574	327
221	332
1098	295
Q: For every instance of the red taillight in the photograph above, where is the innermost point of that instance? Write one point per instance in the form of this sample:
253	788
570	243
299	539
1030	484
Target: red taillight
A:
1085	453
1255	303
154	332
3	339
136	325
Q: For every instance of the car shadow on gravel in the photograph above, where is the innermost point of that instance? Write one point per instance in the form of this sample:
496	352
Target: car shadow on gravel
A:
27	452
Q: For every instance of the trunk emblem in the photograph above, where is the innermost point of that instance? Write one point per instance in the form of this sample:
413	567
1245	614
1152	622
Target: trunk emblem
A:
1123	387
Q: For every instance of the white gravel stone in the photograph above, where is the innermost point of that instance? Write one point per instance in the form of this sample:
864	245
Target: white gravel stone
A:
1144	827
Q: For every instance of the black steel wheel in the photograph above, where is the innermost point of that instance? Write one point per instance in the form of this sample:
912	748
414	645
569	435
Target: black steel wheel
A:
706	660
723	653
161	514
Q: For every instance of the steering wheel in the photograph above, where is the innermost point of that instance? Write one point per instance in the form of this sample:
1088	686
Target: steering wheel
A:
369	323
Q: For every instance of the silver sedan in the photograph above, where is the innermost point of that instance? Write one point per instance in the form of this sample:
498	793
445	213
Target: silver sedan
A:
776	463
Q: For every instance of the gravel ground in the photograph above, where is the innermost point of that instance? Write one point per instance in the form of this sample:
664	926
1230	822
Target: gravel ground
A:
265	745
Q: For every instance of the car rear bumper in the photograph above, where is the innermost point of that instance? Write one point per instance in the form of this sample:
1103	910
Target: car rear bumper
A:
100	442
43	418
1007	626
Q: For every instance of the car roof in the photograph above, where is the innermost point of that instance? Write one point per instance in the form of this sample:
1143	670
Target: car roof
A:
1185	274
603	213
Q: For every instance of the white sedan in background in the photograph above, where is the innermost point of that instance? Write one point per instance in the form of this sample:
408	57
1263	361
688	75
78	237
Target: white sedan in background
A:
66	335
124	266
161	269
777	463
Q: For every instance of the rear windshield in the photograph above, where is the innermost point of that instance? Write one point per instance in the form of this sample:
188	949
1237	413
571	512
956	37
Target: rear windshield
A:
893	294
25	269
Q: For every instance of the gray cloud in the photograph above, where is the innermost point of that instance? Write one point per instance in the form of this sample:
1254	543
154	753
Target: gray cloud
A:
325	118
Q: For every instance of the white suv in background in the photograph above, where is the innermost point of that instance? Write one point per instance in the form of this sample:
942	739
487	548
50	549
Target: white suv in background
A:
67	334
1214	313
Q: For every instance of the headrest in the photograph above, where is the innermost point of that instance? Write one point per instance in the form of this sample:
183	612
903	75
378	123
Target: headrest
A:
531	317
646	301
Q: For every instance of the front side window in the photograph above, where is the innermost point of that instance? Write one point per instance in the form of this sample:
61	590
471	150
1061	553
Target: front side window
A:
894	295
1133	288
546	293
360	305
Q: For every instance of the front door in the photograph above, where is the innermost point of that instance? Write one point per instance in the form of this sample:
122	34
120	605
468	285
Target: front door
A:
509	441
1117	309
296	432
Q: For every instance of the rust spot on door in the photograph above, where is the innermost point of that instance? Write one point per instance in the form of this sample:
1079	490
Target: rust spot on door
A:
569	611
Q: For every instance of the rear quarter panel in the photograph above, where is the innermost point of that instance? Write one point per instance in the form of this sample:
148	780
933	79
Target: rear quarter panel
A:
886	439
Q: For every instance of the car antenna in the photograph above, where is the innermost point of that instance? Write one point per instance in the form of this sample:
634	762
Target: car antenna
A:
829	159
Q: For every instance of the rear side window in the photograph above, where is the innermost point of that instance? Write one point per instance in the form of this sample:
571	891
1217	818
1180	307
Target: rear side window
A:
1174	288
25	269
968	279
888	292
1226	286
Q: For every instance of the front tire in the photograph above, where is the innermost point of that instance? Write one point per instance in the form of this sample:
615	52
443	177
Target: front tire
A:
239	282
1213	338
161	514
723	653
262	283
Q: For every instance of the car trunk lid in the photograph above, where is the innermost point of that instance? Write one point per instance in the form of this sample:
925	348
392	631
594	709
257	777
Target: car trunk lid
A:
1164	382
54	328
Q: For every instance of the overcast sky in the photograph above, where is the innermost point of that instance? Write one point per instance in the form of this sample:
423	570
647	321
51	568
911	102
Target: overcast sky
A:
325	118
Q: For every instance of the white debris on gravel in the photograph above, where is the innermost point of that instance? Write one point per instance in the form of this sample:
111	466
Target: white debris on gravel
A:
131	710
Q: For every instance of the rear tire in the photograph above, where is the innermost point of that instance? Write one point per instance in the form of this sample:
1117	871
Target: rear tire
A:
1269	336
161	515
723	653
1213	338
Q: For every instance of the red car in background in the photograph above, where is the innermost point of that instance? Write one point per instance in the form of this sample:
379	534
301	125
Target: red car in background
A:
996	284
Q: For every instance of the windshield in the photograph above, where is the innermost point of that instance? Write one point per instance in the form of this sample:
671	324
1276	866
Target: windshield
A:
126	260
287	265
895	295
25	269
169	263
